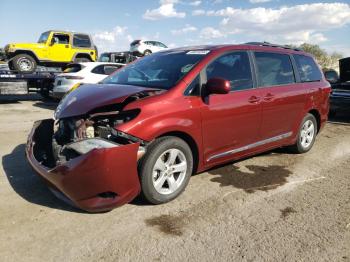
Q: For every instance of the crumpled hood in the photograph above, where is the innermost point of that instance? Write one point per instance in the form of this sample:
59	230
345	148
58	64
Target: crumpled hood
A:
92	96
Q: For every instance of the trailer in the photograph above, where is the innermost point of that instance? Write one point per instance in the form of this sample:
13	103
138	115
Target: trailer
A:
37	82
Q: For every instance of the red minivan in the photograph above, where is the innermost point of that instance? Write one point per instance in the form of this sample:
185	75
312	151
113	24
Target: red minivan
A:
152	124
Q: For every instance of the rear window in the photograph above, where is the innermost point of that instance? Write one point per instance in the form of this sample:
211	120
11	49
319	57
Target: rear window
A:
136	42
274	69
73	68
105	69
81	40
307	68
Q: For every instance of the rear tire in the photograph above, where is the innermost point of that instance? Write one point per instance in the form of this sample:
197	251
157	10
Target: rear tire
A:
306	135
165	170
24	63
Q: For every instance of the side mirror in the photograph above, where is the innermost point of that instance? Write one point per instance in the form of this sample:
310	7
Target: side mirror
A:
218	86
331	76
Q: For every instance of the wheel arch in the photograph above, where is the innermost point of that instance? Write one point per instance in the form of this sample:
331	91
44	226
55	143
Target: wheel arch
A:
82	55
190	141
317	115
27	52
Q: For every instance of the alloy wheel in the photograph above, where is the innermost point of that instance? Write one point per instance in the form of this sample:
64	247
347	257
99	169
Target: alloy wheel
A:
307	134
169	171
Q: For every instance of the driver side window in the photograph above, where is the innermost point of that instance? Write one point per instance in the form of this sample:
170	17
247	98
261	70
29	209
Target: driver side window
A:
61	39
234	67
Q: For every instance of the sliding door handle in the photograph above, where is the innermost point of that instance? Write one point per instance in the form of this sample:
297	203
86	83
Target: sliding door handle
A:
269	97
253	99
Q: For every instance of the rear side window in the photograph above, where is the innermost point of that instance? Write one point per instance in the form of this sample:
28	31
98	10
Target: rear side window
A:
234	67
73	68
274	69
98	70
81	40
104	69
110	69
307	68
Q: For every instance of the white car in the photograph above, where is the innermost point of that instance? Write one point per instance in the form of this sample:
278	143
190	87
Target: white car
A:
85	73
143	48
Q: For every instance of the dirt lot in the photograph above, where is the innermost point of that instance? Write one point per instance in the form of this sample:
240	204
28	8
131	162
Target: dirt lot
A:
272	207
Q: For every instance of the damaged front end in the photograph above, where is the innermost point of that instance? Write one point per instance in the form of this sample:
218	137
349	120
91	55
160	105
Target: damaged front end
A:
86	161
82	155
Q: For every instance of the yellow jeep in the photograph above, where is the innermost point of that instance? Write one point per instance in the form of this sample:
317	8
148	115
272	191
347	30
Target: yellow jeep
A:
54	48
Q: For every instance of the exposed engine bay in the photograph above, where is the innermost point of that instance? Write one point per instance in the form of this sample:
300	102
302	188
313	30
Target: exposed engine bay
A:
75	136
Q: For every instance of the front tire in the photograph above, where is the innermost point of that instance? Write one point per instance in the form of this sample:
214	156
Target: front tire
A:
165	170
24	63
306	135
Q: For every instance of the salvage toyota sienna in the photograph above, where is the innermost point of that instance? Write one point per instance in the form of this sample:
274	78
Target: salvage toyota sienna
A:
152	124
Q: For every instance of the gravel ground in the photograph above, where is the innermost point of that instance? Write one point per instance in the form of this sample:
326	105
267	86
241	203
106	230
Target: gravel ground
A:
273	207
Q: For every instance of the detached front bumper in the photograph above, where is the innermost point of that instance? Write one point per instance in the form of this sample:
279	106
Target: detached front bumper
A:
97	181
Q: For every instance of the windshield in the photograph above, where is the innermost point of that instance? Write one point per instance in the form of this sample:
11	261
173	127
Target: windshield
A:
43	38
161	70
104	58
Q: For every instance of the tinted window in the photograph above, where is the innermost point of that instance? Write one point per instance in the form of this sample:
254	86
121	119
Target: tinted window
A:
307	68
135	42
274	69
73	68
109	69
162	45
43	38
234	67
98	70
160	70
81	41
61	39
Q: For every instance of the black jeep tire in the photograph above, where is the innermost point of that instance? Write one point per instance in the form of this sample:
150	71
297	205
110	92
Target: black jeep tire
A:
147	165
82	60
24	63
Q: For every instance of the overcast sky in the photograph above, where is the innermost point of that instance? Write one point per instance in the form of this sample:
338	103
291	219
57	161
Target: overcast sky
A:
115	23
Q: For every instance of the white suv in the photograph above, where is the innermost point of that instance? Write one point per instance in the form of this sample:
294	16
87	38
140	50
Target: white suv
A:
143	48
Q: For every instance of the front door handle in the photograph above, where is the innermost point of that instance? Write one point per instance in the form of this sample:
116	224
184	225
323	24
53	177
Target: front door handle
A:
253	99
269	97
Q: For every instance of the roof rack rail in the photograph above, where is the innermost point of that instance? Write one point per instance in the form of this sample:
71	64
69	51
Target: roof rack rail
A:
273	45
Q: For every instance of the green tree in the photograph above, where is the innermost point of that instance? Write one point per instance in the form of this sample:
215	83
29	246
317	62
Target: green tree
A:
325	60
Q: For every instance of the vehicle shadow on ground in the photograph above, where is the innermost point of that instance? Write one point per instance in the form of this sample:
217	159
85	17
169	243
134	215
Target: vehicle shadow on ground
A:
27	184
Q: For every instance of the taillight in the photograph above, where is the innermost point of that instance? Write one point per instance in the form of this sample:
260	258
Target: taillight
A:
74	77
